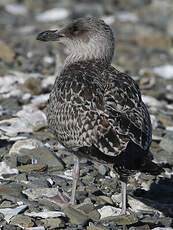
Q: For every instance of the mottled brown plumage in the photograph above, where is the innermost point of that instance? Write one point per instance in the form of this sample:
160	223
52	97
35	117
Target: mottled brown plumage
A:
94	110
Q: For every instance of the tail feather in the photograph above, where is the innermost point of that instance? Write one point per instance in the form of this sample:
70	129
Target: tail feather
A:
149	166
135	159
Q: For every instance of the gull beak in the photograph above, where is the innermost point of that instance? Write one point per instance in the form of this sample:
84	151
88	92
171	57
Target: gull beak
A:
49	35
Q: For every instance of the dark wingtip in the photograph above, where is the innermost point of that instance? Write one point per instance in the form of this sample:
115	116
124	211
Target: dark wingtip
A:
152	168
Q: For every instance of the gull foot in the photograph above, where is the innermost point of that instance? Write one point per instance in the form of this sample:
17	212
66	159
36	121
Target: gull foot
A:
123	212
61	199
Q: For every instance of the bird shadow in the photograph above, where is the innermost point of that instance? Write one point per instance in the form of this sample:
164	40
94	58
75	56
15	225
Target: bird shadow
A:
159	196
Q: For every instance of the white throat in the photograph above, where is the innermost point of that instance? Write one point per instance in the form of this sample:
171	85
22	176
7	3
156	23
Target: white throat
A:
99	48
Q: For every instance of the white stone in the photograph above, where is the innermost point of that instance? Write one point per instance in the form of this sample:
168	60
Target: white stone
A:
36	193
165	71
28	29
160	228
169	87
47	145
29	119
36	228
7	83
48	59
5	169
40	99
10	212
137	175
26	96
45	214
113	174
126	17
169	106
151	101
50	181
29	54
53	15
17	138
138	205
109	19
156	138
48	80
154	121
169	128
21	76
34	116
10	84
16	9
59	146
116	198
106	211
24	144
13	126
68	172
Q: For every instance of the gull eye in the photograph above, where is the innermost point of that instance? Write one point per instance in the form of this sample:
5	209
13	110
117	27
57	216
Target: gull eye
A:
75	29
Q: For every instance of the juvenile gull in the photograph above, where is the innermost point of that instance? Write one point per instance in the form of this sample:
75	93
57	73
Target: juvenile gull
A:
94	110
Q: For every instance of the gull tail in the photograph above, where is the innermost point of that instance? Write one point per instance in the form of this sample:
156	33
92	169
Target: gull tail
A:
151	167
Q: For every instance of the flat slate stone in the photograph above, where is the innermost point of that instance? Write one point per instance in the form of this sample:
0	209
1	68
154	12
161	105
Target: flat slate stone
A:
32	167
121	220
76	216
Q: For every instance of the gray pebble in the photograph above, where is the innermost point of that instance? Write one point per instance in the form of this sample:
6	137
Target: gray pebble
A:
167	142
103	169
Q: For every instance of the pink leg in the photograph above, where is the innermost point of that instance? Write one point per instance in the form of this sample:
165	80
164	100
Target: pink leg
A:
124	195
76	171
62	198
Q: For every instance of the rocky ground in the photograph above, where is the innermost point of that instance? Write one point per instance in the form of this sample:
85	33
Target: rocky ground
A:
33	164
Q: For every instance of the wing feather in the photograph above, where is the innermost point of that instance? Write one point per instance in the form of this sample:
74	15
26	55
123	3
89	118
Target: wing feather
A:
105	111
128	114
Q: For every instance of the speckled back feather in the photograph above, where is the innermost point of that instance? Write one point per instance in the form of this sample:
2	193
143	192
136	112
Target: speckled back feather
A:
89	106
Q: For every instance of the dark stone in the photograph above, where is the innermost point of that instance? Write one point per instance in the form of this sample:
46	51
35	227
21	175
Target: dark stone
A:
81	195
166	221
103	170
142	227
23	160
10	227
